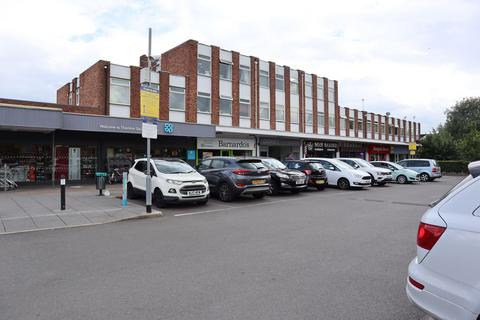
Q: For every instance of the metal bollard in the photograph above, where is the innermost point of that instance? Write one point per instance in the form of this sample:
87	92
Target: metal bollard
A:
62	193
124	189
5	177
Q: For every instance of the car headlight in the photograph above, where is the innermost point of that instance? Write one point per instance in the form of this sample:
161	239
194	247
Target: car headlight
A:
177	182
282	175
205	180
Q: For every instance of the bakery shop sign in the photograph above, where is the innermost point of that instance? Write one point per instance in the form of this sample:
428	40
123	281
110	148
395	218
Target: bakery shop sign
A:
321	146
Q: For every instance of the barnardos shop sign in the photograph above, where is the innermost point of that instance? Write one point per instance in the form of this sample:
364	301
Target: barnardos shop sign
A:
225	144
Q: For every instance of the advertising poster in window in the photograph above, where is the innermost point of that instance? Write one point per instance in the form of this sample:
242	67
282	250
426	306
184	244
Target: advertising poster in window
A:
149	101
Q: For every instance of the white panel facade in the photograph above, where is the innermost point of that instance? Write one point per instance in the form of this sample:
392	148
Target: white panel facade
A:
119	111
294	101
154	76
294	127
225	88
204	50
308	77
245	60
245	92
204	84
204	118
264	124
226	56
176	116
177	81
245	123
225	121
118	71
309	129
264	95
280	126
264	65
279	97
279	70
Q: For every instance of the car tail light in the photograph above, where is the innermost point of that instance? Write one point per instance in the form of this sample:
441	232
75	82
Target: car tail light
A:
240	185
308	172
434	169
242	172
428	235
416	284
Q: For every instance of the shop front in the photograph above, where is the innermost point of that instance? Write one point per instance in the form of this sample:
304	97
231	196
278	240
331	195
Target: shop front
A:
321	149
352	149
209	147
40	146
399	153
280	149
378	152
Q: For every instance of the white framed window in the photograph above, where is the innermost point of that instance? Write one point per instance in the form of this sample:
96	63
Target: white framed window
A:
245	108
225	71
245	74
225	106
294	115
264	111
70	97
320	89
119	91
369	125
308	89
77	96
203	102
264	79
360	124
402	131
383	128
309	119
321	119
390	129
331	121
279	82
280	112
204	65
176	98
331	94
343	123
351	124
293	86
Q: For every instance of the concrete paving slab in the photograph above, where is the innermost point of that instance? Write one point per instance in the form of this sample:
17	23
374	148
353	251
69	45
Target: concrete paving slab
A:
74	219
9	208
33	206
46	222
19	224
98	217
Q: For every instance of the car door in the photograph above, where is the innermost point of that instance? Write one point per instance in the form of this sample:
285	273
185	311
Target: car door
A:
216	172
138	177
333	174
204	168
414	165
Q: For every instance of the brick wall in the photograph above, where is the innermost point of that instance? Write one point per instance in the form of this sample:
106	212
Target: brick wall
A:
236	89
325	104
254	92
62	94
164	95
314	104
347	122
215	98
271	74
337	109
135	92
182	60
287	98
94	88
301	104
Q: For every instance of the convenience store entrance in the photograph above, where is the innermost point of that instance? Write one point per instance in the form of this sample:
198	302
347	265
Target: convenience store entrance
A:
226	147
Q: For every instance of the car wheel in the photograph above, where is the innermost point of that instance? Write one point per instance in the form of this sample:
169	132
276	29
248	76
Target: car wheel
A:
343	184
402	179
424	177
373	180
158	198
259	195
320	188
225	193
275	188
381	183
131	194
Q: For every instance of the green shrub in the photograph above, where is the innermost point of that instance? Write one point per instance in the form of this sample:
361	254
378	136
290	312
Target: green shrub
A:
453	166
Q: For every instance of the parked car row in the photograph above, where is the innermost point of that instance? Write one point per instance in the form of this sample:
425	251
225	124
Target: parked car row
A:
173	180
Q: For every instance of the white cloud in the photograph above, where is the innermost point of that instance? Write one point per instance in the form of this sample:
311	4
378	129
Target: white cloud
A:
407	58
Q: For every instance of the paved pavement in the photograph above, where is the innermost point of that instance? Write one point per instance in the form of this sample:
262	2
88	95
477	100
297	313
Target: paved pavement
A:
317	255
32	209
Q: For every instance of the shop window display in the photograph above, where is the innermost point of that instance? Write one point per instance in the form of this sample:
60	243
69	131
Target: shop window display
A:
27	163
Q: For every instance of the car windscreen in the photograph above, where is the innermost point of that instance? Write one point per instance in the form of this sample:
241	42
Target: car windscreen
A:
396	165
273	164
460	184
364	163
341	164
435	163
251	164
316	165
173	166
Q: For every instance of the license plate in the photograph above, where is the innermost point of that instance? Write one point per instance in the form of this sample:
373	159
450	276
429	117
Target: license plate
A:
299	182
194	193
261	181
320	181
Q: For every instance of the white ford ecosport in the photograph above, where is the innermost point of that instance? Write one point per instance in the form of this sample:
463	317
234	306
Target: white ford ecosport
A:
173	180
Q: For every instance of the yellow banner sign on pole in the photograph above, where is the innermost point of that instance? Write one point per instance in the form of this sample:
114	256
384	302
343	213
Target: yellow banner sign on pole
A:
412	146
149	102
412	152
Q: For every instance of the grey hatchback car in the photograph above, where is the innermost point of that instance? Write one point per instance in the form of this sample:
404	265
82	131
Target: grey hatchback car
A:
428	169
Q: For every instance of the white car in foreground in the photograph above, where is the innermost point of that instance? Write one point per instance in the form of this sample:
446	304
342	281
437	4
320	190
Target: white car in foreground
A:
444	277
173	180
342	175
380	176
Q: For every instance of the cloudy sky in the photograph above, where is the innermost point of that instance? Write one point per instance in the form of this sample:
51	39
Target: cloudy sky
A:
409	58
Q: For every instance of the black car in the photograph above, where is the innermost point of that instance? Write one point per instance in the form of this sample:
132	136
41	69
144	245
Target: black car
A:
316	174
231	177
284	178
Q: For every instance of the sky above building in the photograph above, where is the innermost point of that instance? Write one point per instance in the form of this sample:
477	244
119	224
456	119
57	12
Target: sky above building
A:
413	59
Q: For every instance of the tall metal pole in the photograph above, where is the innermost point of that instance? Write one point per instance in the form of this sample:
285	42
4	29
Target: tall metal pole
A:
148	185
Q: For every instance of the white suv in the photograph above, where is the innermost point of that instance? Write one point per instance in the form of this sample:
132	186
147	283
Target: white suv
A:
173	180
443	279
379	176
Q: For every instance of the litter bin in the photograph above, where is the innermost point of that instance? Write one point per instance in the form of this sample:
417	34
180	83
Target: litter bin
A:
100	181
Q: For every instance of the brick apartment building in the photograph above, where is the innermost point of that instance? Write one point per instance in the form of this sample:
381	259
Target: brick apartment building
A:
220	102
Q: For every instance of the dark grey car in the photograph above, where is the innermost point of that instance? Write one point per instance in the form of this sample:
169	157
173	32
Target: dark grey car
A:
231	177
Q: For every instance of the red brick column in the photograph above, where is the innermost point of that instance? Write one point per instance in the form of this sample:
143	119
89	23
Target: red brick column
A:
254	92
325	104
164	95
337	109
215	98
236	89
347	124
301	103
314	104
372	121
271	74
134	92
355	122
287	98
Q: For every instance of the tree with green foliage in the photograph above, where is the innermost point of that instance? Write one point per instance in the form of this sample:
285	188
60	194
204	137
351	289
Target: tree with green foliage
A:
459	138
